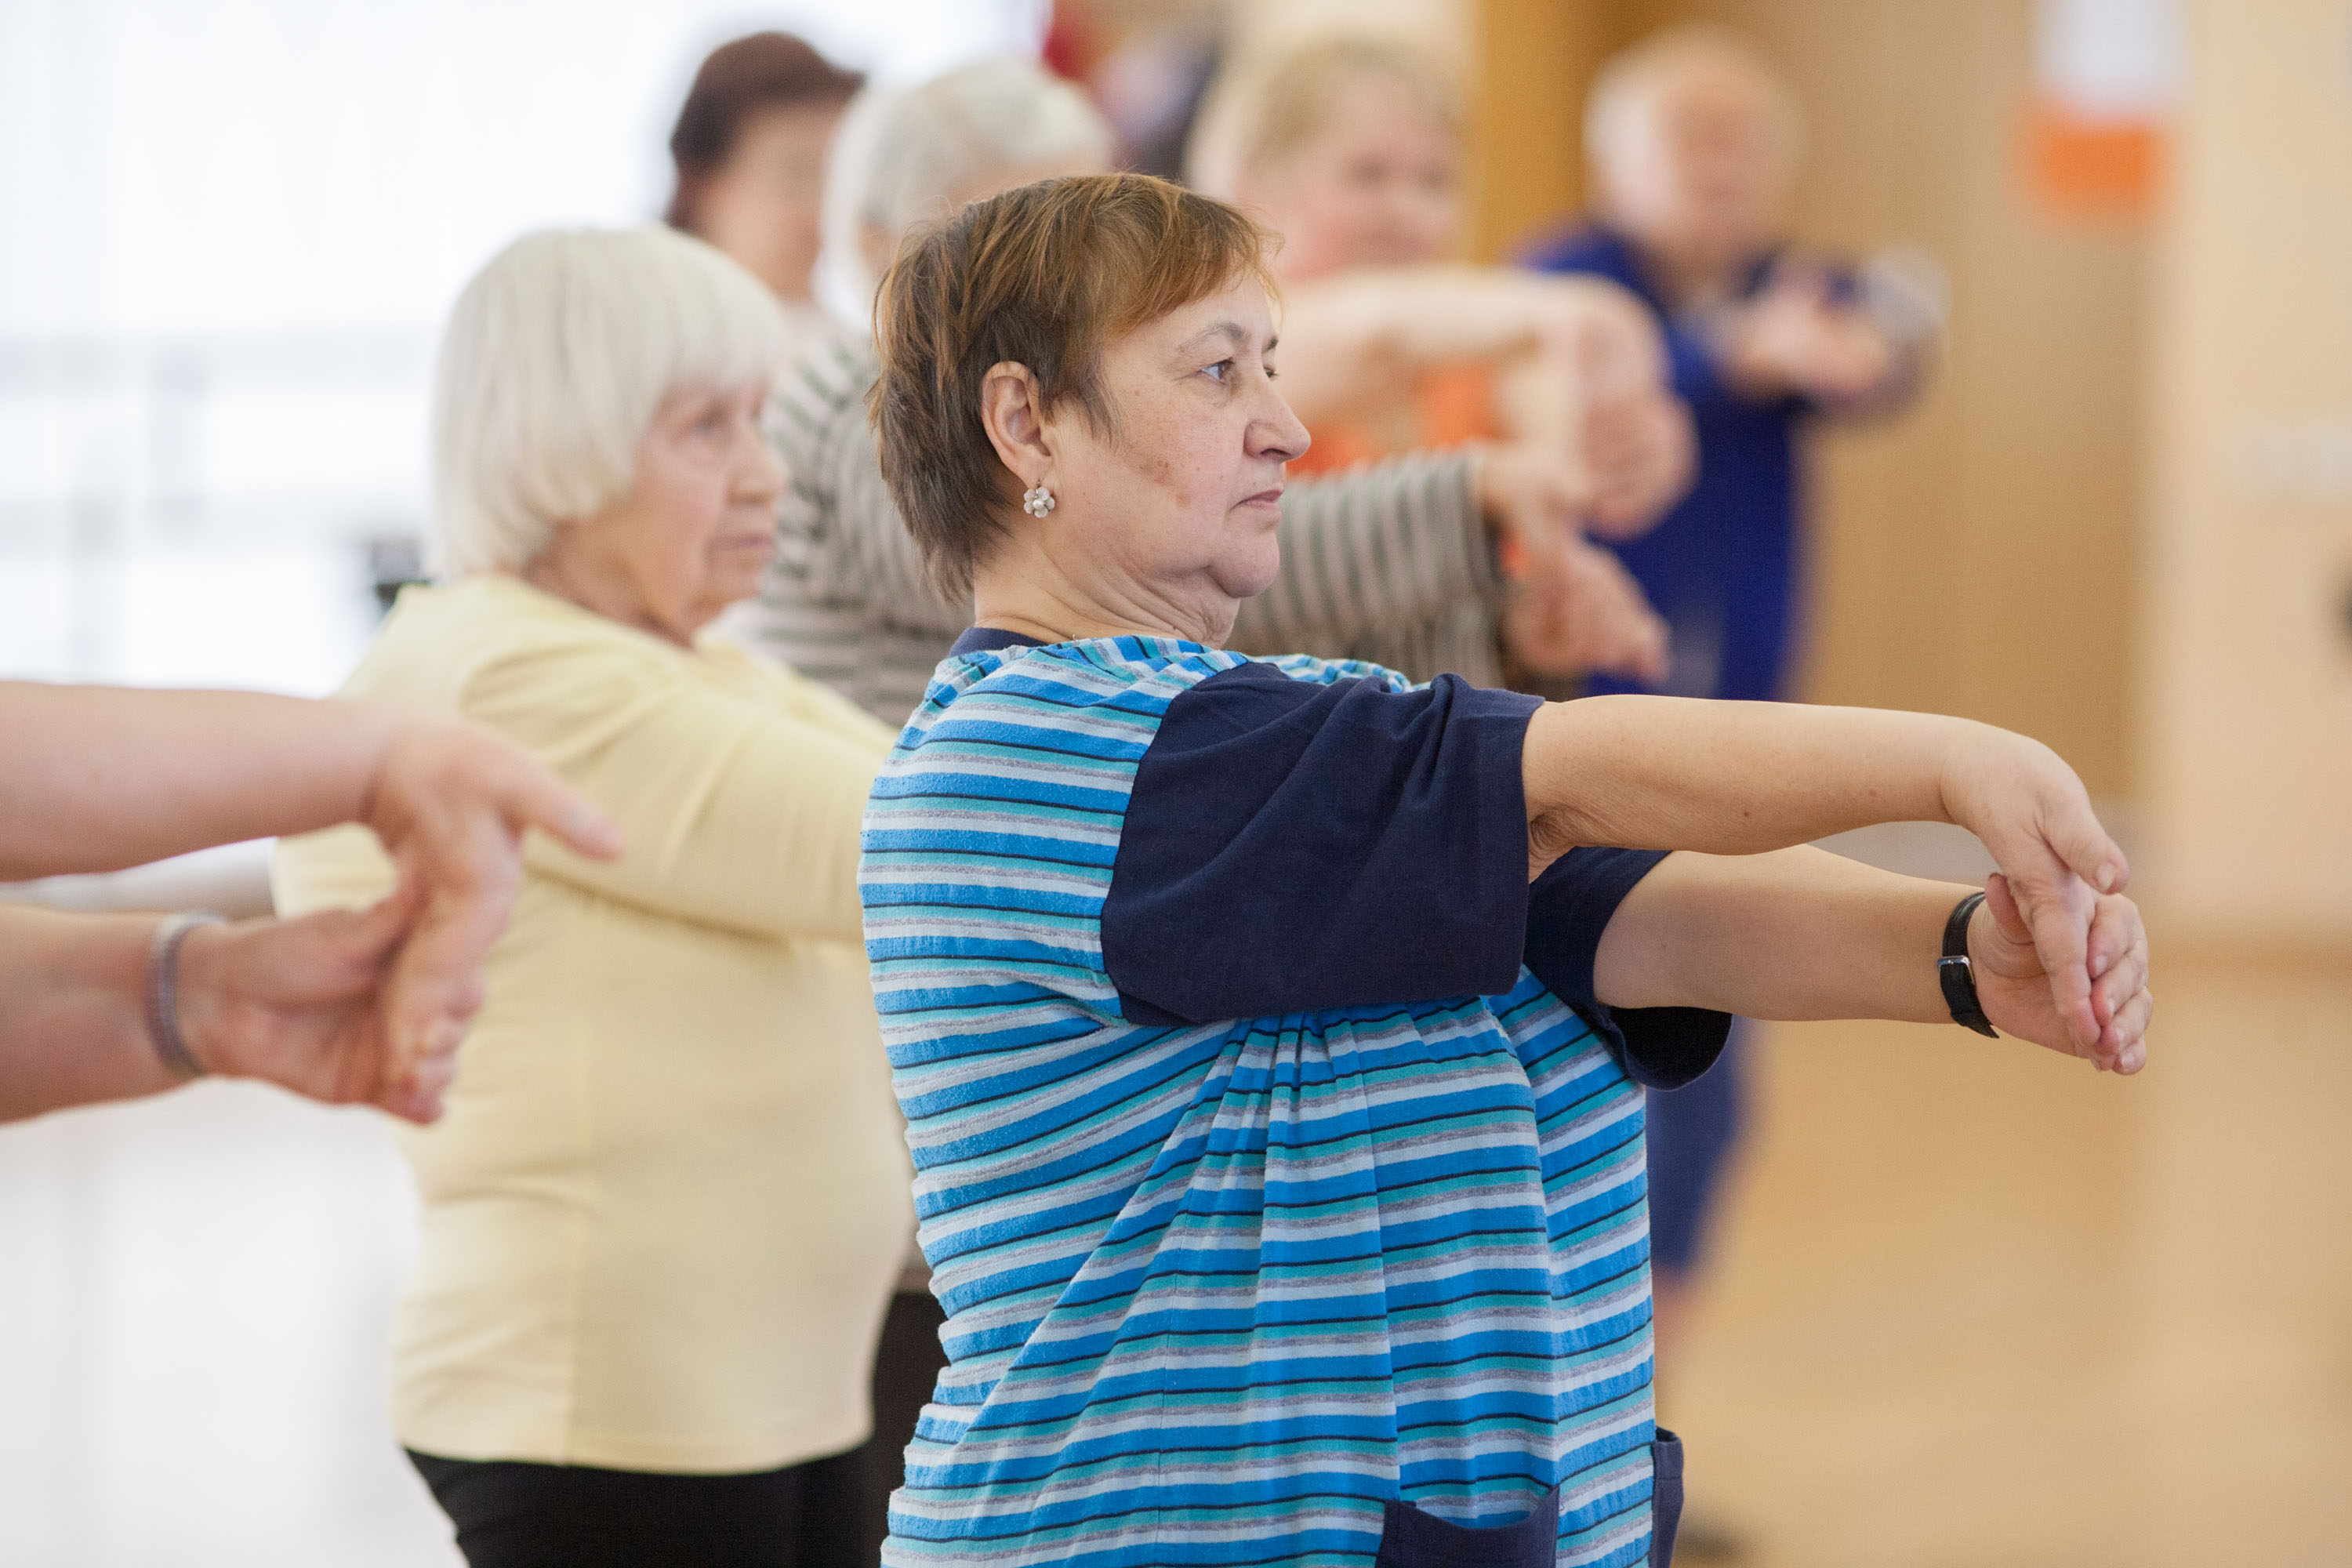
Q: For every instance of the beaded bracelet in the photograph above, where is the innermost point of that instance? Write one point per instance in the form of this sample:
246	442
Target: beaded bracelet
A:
163	989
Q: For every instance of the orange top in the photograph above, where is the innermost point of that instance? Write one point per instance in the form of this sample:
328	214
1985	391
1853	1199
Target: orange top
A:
1452	404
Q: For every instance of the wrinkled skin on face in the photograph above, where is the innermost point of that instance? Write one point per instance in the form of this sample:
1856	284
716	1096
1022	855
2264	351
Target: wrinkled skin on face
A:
695	529
1164	515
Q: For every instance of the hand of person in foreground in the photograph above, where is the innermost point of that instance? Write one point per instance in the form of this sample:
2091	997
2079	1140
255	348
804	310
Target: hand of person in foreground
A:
451	804
2056	861
297	1003
2023	998
300	1003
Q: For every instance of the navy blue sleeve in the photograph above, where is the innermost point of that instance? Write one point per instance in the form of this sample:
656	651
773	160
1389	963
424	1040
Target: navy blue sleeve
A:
1291	846
1568	909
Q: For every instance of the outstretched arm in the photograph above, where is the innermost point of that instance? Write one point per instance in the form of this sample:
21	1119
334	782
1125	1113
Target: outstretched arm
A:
1740	778
1800	934
103	777
295	1003
100	777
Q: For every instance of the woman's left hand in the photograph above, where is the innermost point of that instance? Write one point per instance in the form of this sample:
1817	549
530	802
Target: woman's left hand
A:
2021	998
302	1003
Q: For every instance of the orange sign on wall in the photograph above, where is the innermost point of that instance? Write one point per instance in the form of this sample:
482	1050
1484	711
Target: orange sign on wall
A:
2107	77
2081	166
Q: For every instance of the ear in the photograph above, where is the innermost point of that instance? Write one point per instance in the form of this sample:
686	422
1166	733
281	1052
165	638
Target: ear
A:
1014	415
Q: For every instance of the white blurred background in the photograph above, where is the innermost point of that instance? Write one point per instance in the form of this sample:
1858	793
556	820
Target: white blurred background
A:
228	232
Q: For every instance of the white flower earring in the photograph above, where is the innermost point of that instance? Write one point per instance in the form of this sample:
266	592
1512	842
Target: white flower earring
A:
1037	501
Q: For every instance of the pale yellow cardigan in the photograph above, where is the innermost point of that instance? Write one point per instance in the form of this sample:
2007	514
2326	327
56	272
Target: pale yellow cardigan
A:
664	1213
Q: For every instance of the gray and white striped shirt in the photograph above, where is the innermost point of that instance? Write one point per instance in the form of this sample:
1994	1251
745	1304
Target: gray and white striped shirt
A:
1387	563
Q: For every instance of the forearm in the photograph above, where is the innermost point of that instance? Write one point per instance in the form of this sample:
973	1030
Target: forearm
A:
1373	324
101	777
73	1025
1731	778
1796	934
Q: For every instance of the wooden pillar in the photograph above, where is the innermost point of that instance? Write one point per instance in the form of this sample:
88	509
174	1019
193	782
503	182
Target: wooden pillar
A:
2247	649
1533	59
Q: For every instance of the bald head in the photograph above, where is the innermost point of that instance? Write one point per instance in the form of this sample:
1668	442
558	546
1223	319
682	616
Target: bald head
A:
1694	142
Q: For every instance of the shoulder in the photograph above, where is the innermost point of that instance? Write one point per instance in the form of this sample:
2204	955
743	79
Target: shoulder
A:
1582	247
504	653
440	637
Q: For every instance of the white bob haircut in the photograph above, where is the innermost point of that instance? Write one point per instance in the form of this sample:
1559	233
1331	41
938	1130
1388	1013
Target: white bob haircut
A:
1625	88
555	360
901	156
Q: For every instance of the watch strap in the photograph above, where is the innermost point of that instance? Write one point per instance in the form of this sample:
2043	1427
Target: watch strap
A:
1957	975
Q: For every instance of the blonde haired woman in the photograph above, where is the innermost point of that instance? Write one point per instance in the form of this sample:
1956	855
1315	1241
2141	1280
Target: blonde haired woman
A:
1347	145
662	1215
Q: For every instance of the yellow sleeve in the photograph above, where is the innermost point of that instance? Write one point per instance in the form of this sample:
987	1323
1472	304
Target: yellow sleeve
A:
739	811
335	869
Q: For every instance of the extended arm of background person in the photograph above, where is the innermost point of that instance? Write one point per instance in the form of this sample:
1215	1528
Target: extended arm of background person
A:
101	777
295	1003
1740	778
1809	334
738	812
1370	329
1800	934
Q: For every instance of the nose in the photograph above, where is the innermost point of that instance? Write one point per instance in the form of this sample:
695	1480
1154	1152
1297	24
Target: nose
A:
1276	433
761	475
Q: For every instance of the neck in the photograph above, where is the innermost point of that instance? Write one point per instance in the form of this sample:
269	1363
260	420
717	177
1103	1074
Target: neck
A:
1022	587
599	592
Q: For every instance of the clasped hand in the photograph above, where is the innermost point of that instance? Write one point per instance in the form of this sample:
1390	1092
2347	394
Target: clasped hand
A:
370	1006
2060	956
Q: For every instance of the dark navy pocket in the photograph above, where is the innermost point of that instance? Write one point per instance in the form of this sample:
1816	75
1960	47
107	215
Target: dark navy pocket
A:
1413	1539
1665	1497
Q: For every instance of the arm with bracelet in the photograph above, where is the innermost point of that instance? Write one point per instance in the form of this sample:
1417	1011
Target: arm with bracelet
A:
106	1007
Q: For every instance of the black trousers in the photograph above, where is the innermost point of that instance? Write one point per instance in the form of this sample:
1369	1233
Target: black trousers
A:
510	1514
907	1367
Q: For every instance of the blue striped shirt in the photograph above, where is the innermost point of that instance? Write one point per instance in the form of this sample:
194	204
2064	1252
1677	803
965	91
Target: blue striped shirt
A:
1224	1292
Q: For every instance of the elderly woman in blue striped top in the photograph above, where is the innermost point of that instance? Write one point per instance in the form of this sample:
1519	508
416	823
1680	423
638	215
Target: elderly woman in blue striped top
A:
1270	1031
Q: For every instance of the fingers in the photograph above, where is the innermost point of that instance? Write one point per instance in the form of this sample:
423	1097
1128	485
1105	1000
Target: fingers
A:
2128	1035
418	1097
2001	904
2117	950
468	884
536	798
2078	840
2058	909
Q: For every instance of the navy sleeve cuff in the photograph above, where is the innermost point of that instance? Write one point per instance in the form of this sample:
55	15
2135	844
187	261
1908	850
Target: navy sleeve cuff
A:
1568	908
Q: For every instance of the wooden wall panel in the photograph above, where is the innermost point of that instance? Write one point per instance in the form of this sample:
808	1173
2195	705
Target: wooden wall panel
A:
2248	656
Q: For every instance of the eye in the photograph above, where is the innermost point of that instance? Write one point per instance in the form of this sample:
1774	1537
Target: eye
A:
1219	370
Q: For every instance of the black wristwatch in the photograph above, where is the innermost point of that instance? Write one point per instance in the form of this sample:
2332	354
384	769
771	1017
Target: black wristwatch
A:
1957	975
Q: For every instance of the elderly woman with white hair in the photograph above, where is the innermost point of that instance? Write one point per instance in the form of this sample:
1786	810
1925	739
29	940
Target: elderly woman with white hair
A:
1397	560
662	1215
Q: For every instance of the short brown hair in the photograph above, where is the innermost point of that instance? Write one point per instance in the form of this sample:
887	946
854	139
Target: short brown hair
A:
762	71
1044	275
